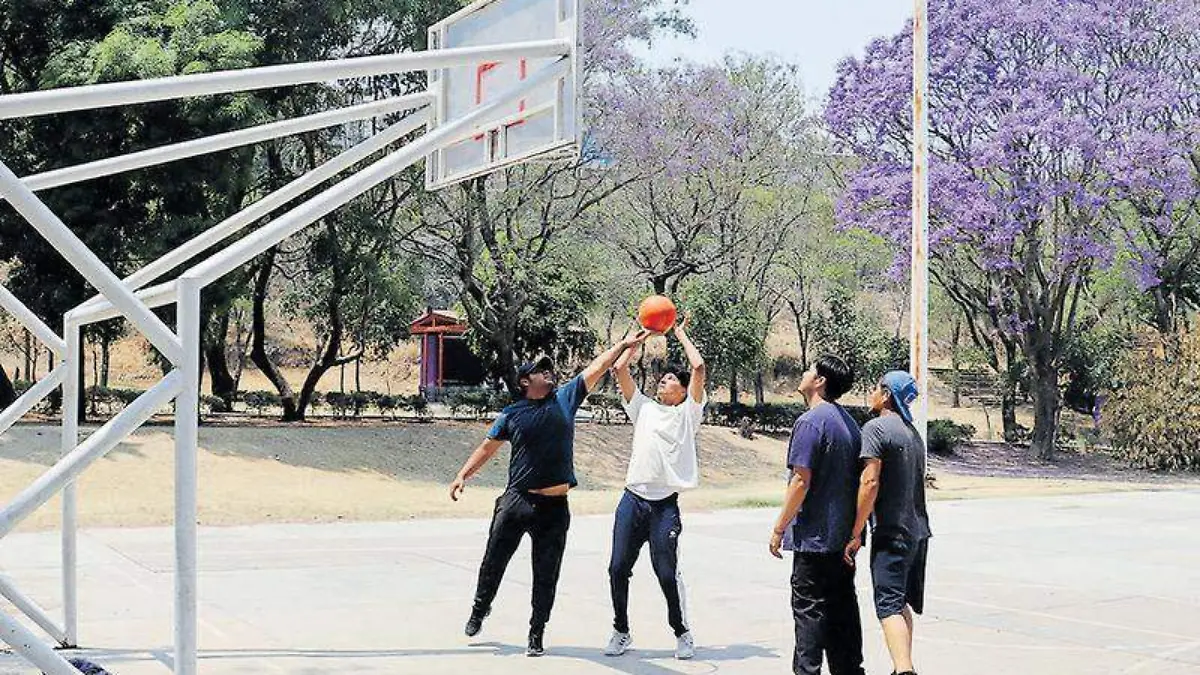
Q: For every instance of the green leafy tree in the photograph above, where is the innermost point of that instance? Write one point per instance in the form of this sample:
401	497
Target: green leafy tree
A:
727	329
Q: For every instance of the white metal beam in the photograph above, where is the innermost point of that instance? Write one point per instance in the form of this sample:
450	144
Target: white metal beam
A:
220	142
99	309
322	204
81	258
32	610
40	390
248	79
28	645
96	446
20	312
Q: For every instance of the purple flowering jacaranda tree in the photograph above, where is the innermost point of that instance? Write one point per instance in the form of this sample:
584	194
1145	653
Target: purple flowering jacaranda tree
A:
1063	138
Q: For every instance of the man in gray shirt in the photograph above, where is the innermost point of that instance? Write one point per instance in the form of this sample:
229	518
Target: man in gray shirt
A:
892	486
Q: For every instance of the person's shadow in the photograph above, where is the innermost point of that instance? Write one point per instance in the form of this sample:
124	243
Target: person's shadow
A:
642	661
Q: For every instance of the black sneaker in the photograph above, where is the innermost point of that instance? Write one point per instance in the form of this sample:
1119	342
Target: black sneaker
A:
475	623
535	645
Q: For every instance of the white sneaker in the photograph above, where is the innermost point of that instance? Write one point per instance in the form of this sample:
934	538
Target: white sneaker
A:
618	644
685	646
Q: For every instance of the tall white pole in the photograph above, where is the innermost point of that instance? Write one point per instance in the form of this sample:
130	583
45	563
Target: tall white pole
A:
70	438
187	420
919	311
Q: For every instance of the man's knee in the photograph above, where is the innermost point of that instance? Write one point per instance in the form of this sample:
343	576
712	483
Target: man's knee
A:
619	570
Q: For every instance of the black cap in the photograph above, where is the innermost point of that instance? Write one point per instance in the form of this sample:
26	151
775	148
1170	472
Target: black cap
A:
542	362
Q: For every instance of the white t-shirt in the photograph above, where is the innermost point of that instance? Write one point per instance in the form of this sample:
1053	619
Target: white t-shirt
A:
663	460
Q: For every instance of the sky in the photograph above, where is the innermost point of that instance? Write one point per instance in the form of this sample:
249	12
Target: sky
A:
813	34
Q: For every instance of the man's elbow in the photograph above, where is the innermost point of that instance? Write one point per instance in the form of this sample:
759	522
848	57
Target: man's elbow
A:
699	368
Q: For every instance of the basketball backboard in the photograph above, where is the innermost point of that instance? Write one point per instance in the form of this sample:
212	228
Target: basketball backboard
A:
545	123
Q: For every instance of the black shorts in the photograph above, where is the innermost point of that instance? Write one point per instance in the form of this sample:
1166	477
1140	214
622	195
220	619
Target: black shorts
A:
898	573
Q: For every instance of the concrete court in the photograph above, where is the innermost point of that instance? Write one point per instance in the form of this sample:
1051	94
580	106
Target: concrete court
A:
1040	586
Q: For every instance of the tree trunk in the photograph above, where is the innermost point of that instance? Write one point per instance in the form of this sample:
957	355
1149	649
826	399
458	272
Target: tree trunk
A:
955	335
760	393
224	387
29	360
1047	398
258	349
733	388
1008	415
8	393
1163	314
105	360
331	355
506	362
358	375
801	333
1008	402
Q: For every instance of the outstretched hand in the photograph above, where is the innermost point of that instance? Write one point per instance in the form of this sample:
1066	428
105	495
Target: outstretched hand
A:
682	325
635	339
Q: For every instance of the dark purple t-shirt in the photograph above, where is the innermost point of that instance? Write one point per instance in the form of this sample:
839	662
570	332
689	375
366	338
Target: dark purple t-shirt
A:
825	440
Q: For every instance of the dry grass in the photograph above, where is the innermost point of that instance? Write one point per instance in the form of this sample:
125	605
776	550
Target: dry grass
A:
387	472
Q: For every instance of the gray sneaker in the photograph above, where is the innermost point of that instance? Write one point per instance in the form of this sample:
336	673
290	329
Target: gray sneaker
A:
618	644
685	646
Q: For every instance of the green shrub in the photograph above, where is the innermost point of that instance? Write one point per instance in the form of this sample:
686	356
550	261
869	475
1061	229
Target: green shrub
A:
361	400
388	405
419	405
259	401
1154	413
339	402
605	406
946	435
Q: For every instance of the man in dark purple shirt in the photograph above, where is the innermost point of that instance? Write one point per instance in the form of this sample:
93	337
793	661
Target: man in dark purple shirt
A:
816	520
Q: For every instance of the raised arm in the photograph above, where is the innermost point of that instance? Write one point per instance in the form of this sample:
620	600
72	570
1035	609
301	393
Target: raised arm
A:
699	370
482	455
624	378
601	364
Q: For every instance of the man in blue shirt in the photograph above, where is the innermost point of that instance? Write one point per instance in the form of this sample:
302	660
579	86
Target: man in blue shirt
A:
817	519
541	428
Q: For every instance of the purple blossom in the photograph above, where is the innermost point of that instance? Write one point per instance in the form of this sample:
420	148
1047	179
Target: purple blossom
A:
1046	116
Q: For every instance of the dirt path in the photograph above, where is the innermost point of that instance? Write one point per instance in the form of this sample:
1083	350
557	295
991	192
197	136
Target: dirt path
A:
314	473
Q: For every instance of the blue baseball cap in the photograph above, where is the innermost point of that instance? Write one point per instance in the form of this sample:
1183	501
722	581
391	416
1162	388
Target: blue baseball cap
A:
538	364
903	389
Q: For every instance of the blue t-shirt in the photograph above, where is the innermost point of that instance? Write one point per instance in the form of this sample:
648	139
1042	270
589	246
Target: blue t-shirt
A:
542	434
825	440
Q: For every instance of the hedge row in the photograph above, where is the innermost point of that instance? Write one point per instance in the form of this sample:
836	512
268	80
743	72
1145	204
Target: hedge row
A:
944	435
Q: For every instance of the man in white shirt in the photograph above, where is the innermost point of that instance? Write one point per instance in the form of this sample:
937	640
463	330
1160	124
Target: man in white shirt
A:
663	463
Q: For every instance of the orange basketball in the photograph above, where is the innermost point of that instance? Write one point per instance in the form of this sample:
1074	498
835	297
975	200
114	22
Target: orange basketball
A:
657	313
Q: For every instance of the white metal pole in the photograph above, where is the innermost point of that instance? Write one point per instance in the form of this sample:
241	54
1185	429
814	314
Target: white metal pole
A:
21	313
159	295
322	204
96	446
28	645
32	610
235	223
81	258
187	416
225	141
40	390
73	360
919	311
248	79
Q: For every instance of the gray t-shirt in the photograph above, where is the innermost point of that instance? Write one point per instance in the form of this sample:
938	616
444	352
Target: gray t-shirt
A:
900	507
